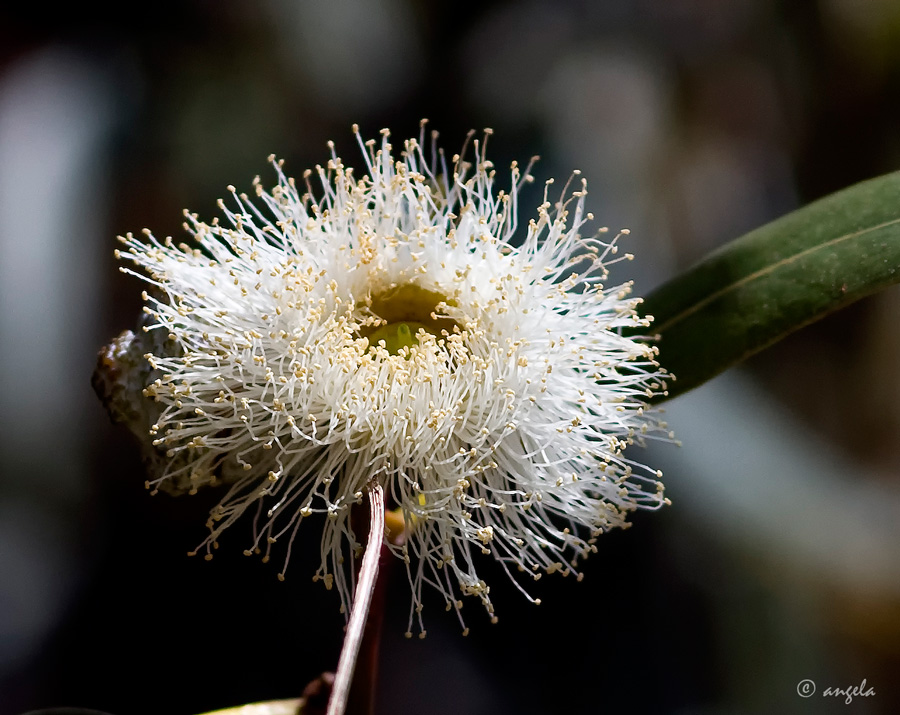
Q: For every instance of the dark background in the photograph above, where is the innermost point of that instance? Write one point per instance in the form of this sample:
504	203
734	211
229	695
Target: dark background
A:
693	120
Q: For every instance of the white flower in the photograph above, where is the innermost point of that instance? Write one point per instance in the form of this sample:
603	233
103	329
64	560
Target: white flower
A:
401	328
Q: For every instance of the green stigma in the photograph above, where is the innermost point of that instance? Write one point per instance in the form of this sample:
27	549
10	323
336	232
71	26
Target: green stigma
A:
397	336
405	309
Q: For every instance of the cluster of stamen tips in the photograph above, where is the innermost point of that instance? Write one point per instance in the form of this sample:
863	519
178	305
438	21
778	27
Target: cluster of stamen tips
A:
396	328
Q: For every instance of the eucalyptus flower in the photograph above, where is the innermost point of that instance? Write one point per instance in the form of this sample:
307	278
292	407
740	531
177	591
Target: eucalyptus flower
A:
400	328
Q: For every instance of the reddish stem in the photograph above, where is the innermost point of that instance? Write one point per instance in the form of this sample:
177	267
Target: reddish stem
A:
365	679
359	628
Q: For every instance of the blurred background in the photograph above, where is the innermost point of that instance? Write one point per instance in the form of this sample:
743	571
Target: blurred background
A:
693	120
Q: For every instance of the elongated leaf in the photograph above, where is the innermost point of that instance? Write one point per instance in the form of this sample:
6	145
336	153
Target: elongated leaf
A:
772	281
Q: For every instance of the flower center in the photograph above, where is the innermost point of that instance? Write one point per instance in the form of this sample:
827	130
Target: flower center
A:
396	336
404	309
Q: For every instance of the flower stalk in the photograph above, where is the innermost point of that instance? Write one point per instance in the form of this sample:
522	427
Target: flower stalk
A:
362	601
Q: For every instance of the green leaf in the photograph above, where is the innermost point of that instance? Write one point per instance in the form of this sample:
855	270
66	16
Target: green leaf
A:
776	279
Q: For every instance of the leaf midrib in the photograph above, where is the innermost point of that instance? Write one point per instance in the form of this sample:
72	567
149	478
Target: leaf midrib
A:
767	270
